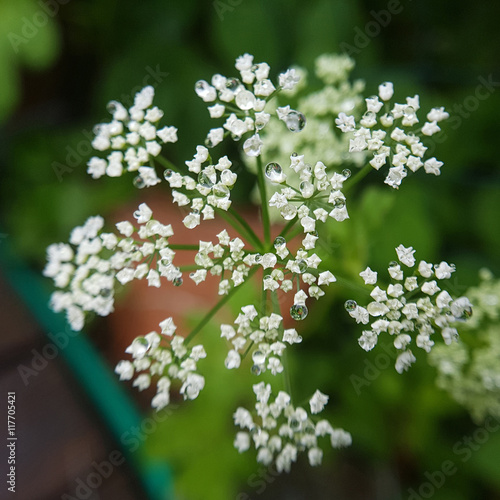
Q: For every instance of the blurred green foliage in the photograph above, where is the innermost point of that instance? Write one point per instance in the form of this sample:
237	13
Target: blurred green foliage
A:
54	88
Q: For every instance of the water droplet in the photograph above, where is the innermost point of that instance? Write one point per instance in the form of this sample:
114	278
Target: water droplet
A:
167	174
295	121
245	100
257	258
294	154
202	88
350	305
139	182
369	119
409	112
279	241
177	281
393	263
339	203
258	357
307	189
309	429
466	314
106	292
294	424
208	143
346	173
256	370
298	312
220	190
302	266
112	106
274	172
232	83
288	212
204	180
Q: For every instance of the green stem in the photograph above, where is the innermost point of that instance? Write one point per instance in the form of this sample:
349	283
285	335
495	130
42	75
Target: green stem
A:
249	231
166	163
237	225
351	284
289	226
217	306
263	197
192	267
359	176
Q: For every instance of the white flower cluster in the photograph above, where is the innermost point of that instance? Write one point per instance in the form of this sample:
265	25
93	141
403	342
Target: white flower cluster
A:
132	139
266	334
320	139
412	305
282	430
164	356
86	270
469	370
243	102
211	190
392	134
312	195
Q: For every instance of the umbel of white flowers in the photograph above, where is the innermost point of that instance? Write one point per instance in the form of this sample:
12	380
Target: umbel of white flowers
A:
96	262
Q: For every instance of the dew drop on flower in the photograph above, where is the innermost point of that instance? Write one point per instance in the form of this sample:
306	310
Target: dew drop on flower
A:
309	429
106	292
294	424
208	143
288	212
279	241
298	312
97	129
294	154
274	172
350	305
256	370
245	100
346	173
258	357
302	265
295	121
177	281
202	88
139	182
339	203
232	83
393	263
220	190
257	258
307	189
111	107
167	174
204	180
